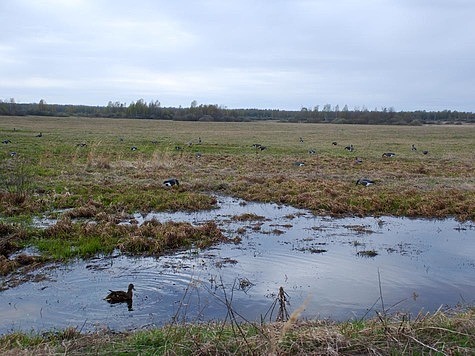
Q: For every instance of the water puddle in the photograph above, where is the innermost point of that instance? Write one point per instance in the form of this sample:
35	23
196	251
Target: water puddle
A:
328	265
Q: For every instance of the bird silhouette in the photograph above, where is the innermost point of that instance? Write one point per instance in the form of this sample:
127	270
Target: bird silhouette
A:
119	296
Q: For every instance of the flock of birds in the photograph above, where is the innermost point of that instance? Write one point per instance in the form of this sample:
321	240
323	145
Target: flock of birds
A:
167	183
7	141
126	297
350	148
258	147
173	182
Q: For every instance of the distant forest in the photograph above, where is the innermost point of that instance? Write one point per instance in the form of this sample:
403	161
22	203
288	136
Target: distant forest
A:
327	113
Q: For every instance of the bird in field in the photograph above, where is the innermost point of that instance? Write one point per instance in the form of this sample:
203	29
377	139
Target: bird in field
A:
350	148
364	181
40	135
171	182
299	164
413	147
389	154
334	143
6	141
312	152
134	148
119	296
13	154
425	152
358	160
259	147
301	139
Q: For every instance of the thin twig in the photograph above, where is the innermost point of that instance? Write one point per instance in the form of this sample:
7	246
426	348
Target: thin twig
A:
425	345
381	292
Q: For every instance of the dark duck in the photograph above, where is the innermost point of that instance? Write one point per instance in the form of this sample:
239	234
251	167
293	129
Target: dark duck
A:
119	296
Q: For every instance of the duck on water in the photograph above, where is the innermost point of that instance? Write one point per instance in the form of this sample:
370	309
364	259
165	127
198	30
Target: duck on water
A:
119	296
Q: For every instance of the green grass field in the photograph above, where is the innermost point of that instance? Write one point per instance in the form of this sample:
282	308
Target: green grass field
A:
60	174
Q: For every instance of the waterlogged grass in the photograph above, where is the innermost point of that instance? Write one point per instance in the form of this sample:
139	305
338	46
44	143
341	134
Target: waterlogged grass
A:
444	333
67	239
82	238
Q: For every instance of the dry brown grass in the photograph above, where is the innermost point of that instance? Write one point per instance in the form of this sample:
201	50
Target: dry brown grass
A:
156	238
441	333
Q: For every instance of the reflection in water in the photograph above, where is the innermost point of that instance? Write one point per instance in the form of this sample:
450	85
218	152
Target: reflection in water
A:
328	266
129	303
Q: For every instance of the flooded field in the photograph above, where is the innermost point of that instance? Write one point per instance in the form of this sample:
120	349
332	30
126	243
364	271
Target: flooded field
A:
335	268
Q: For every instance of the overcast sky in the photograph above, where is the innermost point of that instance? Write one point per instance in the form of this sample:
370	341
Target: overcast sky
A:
282	54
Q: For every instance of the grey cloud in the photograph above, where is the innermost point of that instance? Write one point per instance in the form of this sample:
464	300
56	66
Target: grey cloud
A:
284	54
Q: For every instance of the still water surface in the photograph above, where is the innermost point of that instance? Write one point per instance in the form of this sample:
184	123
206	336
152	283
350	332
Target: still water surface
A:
422	265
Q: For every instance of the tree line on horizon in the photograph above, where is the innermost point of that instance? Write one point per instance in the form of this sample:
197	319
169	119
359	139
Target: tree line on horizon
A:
140	109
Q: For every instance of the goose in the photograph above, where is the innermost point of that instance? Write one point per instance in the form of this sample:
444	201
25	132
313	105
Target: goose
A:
118	296
171	182
358	160
301	139
425	152
413	148
40	135
6	141
299	164
134	148
198	154
364	181
334	143
81	144
312	152
12	154
258	146
388	154
350	148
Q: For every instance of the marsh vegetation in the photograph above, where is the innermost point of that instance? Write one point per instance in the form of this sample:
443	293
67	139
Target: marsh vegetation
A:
83	169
